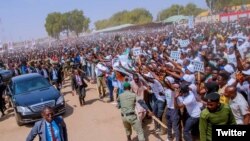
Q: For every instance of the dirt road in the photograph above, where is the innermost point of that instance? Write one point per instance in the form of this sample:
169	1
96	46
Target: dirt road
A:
96	121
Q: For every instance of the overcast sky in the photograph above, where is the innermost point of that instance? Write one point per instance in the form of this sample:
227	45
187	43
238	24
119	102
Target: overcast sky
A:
25	19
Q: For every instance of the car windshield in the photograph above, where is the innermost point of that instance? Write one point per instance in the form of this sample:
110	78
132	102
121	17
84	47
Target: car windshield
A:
31	85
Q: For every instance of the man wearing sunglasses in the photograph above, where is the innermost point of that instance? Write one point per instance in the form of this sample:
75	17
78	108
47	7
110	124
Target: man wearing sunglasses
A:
49	128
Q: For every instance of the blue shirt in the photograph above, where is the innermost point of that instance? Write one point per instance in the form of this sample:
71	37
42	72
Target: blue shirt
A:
23	69
77	59
56	131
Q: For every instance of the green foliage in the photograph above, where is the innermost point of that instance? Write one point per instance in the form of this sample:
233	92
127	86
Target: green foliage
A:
73	21
136	16
53	24
189	9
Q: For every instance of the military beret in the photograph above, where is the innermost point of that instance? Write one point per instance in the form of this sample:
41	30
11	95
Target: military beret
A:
212	97
126	85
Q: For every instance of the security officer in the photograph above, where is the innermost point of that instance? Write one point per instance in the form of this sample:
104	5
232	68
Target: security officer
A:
127	104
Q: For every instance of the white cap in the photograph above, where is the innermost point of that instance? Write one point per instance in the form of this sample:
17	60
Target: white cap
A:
164	44
169	79
149	52
179	61
108	57
155	49
247	72
190	67
149	75
231	82
240	40
228	68
189	78
204	47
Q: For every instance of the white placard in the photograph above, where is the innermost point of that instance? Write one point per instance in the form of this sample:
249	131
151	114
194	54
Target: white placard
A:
137	51
191	22
198	65
184	43
175	55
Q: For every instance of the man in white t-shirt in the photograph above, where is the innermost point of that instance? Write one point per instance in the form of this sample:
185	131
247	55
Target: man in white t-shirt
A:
246	75
239	106
185	98
159	103
172	114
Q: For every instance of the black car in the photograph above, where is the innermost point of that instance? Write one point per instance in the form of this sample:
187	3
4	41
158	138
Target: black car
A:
30	93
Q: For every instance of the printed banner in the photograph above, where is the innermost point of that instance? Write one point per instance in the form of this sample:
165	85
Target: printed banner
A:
198	65
184	43
137	51
175	55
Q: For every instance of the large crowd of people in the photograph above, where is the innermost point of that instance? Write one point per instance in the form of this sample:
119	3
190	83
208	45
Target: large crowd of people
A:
198	76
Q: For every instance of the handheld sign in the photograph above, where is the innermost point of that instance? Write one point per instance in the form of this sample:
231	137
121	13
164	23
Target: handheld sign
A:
175	55
184	43
137	51
190	22
198	65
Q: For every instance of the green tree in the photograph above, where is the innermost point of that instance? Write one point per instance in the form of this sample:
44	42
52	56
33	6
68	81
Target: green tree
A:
136	16
101	24
192	9
171	11
77	21
140	16
53	24
73	21
188	10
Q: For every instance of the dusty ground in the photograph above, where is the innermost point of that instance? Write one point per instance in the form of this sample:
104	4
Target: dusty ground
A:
96	121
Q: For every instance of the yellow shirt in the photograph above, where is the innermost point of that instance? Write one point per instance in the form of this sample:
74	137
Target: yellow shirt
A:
223	99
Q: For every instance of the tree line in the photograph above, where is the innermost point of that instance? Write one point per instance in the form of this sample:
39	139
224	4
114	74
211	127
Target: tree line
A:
75	21
141	16
136	16
188	10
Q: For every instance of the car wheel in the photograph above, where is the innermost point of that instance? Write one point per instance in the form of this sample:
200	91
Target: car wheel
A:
17	119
